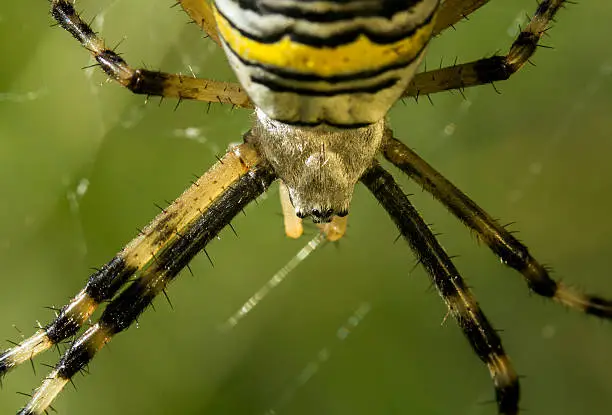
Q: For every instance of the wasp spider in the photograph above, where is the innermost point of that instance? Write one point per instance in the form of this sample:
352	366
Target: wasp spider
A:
321	77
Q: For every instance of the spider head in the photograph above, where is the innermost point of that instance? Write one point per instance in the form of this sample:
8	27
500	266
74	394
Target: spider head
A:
319	165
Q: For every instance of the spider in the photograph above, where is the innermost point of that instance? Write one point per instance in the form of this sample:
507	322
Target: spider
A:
506	390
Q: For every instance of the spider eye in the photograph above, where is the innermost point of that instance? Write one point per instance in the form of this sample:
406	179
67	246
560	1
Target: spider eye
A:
321	216
342	213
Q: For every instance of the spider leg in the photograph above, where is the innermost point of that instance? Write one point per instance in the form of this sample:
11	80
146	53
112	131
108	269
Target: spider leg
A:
452	11
143	81
293	224
201	13
239	178
488	70
153	239
451	287
512	252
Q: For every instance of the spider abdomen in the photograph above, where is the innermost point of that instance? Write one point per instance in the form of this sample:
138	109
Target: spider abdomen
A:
336	62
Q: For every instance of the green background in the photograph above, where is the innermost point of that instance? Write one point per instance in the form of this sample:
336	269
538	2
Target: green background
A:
538	155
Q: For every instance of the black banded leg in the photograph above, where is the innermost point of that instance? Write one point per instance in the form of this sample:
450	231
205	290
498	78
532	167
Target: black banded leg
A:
488	70
143	81
201	13
244	177
451	287
512	252
102	285
153	239
452	11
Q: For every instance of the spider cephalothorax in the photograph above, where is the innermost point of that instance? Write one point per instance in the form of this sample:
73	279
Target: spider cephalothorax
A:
320	165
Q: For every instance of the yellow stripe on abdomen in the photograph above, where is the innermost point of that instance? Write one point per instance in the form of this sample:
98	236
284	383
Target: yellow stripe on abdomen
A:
360	55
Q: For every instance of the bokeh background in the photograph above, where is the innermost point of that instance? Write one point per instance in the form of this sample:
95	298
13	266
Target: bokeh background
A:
356	328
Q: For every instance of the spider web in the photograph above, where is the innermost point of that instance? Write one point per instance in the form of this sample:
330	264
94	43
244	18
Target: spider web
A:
83	162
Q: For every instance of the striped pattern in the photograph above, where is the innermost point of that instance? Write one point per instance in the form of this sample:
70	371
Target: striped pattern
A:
342	63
